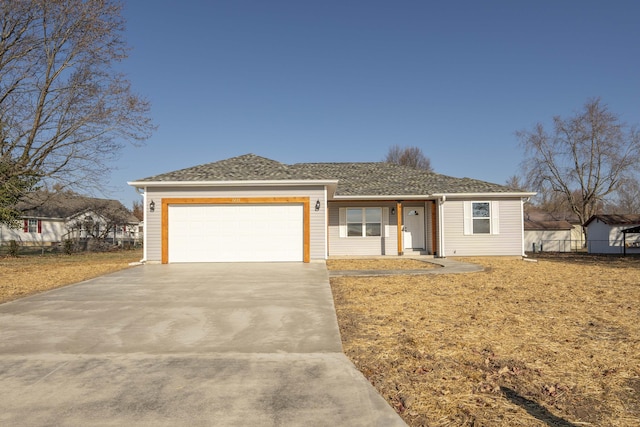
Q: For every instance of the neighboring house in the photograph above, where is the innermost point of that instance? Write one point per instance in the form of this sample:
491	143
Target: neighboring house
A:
605	234
51	218
546	232
547	236
250	208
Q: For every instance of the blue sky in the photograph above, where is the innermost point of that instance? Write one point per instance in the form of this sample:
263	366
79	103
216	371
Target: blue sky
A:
324	81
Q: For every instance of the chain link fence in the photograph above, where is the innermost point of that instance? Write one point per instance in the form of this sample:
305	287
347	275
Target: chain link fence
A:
14	247
569	245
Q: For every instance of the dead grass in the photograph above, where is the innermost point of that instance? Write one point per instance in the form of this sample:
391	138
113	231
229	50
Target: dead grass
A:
28	275
552	343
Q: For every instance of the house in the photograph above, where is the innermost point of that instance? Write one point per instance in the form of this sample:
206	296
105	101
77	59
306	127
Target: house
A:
547	232
250	208
52	218
605	234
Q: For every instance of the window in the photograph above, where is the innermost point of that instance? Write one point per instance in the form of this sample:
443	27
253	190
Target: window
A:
364	222
481	217
32	226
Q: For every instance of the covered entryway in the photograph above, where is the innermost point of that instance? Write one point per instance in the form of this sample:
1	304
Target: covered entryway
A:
235	230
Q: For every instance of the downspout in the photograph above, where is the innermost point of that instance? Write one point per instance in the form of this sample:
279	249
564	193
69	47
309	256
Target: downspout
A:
146	223
522	201
326	224
441	253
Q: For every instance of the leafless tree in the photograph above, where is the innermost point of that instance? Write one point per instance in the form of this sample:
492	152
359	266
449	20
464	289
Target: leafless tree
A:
138	210
408	156
65	109
627	198
514	182
584	158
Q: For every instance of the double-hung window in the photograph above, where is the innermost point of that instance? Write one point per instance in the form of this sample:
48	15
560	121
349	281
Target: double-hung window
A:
364	222
33	225
481	218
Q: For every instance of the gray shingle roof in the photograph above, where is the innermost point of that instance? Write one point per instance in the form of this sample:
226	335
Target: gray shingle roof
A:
43	204
354	179
530	224
248	167
616	219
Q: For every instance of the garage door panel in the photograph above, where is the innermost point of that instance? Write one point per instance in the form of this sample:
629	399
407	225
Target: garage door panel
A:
235	233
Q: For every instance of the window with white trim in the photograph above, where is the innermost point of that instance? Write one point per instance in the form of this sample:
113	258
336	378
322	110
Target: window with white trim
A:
364	222
481	213
481	218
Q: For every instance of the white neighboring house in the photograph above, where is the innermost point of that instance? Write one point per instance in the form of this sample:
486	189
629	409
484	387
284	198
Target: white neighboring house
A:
551	232
58	217
547	236
605	234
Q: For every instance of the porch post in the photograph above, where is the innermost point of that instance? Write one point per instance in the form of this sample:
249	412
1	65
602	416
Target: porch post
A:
434	227
400	227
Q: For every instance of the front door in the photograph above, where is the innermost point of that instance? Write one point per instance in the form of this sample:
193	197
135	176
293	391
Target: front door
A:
413	228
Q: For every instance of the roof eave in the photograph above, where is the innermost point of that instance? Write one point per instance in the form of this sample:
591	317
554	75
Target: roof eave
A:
259	183
389	197
505	195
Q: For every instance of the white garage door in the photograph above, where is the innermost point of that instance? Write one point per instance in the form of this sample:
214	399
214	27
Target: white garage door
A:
235	233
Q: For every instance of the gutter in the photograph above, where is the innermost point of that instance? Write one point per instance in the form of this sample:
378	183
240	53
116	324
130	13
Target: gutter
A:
259	183
476	195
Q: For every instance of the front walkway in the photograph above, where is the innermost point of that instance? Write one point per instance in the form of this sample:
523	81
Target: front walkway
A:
446	266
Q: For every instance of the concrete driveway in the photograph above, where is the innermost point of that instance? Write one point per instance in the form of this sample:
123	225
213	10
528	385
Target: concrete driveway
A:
184	344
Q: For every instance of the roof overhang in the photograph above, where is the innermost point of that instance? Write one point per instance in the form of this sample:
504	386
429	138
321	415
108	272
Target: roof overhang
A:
520	194
388	198
435	196
261	183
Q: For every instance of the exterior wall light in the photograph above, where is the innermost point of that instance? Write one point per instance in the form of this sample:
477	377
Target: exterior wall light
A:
317	205
152	206
393	211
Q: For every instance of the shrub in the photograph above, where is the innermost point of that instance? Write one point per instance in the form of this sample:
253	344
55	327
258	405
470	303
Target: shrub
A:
14	248
69	246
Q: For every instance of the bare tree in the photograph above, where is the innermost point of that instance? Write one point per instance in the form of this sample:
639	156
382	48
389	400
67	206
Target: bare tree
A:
65	110
627	198
408	156
138	210
585	158
514	182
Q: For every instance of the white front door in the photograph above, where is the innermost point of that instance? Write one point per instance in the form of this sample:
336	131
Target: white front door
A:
413	228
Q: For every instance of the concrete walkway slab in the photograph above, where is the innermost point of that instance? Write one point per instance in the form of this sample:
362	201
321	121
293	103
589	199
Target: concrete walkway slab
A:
190	344
445	266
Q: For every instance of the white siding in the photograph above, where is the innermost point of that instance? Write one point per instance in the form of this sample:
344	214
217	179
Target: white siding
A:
608	239
317	224
387	244
551	240
53	230
506	243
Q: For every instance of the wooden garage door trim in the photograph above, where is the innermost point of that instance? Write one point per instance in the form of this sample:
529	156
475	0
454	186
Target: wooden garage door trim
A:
304	201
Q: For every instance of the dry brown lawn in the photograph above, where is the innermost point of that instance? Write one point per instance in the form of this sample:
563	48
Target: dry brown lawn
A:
552	343
28	275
